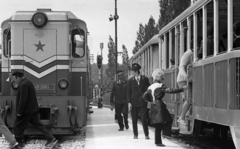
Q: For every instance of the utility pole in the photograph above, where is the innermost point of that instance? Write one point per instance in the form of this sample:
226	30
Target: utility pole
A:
115	17
101	47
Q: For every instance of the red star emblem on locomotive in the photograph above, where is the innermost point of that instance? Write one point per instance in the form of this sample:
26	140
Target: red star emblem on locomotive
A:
39	46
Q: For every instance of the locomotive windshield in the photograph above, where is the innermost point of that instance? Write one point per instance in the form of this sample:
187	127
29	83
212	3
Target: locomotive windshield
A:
78	45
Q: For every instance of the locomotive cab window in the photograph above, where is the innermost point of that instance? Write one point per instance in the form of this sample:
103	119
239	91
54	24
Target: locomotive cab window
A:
78	43
6	43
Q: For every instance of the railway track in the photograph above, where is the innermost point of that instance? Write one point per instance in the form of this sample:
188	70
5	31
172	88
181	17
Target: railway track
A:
65	142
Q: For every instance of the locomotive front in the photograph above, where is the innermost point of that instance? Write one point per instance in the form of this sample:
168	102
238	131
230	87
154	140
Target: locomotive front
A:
50	49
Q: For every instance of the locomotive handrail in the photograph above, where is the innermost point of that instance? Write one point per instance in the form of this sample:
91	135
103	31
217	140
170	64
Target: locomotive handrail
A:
6	109
81	84
8	49
71	61
2	111
55	113
71	109
75	114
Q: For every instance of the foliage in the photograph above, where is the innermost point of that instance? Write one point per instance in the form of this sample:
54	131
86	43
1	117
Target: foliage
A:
125	58
111	70
170	9
145	33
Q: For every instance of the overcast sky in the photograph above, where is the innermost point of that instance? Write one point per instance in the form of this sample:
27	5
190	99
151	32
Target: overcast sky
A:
96	14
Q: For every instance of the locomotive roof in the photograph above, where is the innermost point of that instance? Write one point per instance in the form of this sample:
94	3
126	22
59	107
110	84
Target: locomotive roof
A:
52	15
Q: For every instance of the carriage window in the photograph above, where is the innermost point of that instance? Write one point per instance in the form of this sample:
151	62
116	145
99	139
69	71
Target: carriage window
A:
162	47
191	32
236	21
177	42
78	43
172	57
167	50
210	37
223	25
185	29
199	32
6	47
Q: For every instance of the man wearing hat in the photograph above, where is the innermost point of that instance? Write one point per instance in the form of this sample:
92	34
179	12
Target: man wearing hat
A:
137	85
27	110
119	92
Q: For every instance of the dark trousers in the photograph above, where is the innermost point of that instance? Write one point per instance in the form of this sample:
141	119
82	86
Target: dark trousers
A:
165	127
143	111
122	109
21	122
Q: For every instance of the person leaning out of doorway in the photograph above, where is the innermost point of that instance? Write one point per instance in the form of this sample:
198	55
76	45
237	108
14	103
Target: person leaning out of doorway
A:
119	92
160	116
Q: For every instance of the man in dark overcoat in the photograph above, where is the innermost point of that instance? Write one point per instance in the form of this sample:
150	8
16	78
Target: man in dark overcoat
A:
27	109
137	85
119	92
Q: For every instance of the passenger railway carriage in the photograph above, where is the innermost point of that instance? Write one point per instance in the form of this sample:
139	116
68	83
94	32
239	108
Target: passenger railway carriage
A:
215	77
50	48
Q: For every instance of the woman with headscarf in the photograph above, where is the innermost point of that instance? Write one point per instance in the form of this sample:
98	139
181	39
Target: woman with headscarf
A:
159	116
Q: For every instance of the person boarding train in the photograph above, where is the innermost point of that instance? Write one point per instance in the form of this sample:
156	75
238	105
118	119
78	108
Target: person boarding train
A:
160	116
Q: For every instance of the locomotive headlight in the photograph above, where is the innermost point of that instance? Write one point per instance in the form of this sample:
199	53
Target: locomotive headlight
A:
39	19
63	83
14	85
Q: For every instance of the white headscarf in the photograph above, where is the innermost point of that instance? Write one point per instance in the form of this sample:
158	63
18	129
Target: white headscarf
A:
157	74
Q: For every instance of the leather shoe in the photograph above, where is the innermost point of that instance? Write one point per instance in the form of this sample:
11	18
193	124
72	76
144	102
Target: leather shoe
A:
135	137
127	127
147	137
121	129
162	145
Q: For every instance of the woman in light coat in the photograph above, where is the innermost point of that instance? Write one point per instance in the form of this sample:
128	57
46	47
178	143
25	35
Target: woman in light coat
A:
160	116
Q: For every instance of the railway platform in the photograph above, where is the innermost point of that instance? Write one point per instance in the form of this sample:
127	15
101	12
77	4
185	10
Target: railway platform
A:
102	133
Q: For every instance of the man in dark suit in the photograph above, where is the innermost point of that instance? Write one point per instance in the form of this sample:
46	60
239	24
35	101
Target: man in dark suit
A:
119	92
27	110
137	85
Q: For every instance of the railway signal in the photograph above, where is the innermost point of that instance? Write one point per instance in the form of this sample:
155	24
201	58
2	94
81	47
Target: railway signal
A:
99	61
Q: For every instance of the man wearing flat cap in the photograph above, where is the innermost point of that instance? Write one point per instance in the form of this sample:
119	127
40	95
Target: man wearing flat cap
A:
119	93
27	109
137	85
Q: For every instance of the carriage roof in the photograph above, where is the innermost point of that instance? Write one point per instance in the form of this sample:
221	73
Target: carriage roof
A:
194	7
153	40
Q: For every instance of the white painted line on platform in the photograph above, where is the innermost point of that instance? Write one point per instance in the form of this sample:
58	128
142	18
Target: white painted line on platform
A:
102	125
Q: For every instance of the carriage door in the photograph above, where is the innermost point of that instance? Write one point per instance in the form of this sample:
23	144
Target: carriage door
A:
40	59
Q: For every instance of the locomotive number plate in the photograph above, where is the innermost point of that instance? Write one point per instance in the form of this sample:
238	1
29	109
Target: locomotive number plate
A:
44	86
